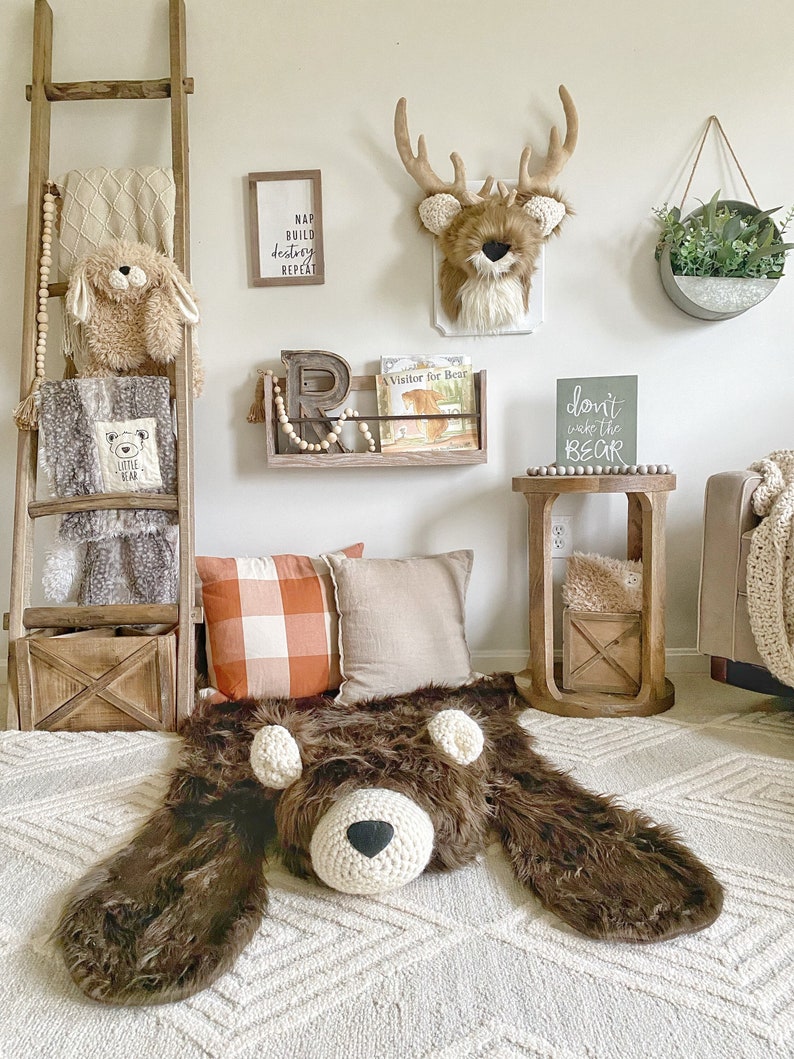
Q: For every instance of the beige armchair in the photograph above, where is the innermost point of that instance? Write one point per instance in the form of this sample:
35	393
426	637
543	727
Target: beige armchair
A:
723	623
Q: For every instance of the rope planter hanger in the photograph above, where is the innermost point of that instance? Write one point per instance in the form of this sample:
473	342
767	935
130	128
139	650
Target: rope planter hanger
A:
725	256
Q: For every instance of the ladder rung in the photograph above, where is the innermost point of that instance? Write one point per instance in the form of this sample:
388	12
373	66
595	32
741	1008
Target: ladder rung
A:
118	614
57	290
104	502
65	91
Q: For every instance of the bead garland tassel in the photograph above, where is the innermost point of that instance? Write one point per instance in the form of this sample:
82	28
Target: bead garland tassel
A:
26	413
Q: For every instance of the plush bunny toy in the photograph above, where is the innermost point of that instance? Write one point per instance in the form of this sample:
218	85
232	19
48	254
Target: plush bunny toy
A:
363	799
133	304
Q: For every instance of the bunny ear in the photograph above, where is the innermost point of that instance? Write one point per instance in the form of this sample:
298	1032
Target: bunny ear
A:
184	297
186	301
79	299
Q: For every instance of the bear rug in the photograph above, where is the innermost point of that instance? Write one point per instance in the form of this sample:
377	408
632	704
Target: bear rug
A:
456	963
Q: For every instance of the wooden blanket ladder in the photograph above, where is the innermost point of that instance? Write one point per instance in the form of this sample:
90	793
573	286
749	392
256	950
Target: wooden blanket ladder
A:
60	678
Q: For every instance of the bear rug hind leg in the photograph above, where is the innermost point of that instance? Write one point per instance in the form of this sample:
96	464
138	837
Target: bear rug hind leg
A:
362	799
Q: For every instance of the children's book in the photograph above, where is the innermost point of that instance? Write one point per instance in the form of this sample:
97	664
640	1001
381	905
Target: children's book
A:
403	363
427	409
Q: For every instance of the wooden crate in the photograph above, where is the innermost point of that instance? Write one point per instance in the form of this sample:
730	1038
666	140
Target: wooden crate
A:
96	680
601	652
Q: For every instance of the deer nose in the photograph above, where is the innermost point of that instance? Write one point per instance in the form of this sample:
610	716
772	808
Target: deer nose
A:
124	270
370	836
494	251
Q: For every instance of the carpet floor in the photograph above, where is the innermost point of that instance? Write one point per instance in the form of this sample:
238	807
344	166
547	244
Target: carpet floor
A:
459	966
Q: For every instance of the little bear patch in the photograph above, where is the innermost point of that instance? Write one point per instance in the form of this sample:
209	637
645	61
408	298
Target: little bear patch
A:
128	455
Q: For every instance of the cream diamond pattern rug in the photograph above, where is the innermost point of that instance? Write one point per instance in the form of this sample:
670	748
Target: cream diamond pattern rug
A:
458	966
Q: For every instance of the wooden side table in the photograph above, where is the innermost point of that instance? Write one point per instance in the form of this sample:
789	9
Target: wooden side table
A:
647	503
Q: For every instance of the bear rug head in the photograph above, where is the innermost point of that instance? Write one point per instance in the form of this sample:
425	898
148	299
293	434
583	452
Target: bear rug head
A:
363	799
132	303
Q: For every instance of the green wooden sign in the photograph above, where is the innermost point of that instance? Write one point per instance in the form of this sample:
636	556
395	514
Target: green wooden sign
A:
597	421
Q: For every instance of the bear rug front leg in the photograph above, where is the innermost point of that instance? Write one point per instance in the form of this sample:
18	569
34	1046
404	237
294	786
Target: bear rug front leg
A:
608	872
170	912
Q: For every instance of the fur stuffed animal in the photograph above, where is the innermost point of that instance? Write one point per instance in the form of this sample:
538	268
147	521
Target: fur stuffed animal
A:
133	303
363	799
602	583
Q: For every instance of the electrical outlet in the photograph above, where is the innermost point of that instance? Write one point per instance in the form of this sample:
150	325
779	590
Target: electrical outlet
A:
561	536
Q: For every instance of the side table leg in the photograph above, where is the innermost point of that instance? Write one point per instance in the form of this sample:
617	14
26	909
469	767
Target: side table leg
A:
537	680
653	507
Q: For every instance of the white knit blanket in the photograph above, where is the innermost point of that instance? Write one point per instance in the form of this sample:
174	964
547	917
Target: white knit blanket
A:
99	204
770	565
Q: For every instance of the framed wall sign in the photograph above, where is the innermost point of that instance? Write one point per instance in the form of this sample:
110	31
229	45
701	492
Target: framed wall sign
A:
286	228
597	420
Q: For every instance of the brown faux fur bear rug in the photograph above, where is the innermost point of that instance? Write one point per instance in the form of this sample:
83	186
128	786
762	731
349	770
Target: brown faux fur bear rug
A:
363	799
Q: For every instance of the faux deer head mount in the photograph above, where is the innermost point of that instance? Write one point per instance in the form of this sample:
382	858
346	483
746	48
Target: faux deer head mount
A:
490	239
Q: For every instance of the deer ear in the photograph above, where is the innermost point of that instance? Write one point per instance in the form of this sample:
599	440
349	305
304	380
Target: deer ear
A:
438	211
547	211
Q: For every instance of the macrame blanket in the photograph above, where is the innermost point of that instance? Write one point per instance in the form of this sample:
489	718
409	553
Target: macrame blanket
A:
770	565
101	436
100	204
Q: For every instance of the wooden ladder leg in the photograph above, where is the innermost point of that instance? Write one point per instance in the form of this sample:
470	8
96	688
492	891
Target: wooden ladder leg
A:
27	440
183	370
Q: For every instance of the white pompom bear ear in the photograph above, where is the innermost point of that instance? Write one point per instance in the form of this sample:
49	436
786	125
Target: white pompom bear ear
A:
438	211
275	757
548	212
457	735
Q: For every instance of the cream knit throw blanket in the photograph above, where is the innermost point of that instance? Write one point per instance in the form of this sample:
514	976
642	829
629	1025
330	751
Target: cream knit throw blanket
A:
770	565
136	205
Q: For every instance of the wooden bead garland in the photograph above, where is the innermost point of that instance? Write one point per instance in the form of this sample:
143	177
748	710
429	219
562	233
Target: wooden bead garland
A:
641	468
26	412
332	436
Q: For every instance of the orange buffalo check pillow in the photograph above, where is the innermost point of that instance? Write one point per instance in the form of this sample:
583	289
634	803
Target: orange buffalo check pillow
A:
271	624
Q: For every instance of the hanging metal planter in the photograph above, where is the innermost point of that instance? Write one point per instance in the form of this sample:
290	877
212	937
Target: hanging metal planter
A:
715	297
724	257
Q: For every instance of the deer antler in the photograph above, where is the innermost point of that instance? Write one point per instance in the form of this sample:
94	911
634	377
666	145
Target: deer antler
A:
418	166
558	153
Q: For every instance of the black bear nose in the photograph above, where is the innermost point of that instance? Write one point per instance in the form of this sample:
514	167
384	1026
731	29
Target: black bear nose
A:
494	251
124	269
370	836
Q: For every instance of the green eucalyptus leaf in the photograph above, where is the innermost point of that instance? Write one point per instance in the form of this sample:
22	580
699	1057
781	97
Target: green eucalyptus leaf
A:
758	217
731	228
768	251
710	211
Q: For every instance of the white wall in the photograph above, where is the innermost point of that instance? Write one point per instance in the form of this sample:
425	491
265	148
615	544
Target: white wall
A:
292	84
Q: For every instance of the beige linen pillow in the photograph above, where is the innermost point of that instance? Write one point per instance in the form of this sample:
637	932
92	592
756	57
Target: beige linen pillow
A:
401	623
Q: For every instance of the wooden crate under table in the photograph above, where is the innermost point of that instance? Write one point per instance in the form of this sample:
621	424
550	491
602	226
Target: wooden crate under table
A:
601	651
96	680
